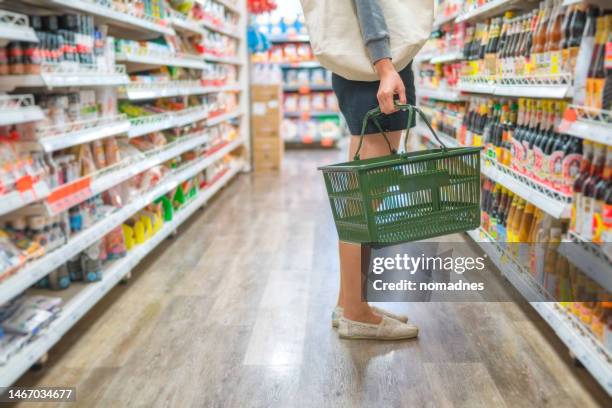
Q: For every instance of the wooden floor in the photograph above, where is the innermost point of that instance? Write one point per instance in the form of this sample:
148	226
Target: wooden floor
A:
234	312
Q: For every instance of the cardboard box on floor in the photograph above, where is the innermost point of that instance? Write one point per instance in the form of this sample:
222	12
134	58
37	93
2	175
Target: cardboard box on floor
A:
266	118
266	114
268	153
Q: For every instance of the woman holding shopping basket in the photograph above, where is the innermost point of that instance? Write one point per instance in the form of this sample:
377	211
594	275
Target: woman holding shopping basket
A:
369	46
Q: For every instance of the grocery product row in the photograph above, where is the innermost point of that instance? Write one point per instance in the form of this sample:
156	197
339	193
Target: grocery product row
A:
124	118
527	82
138	19
553	51
284	55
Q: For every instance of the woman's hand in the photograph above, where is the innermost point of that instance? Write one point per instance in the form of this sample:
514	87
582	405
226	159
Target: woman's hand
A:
390	84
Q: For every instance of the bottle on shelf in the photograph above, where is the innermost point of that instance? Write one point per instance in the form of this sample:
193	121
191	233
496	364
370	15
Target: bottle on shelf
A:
577	189
602	190
588	190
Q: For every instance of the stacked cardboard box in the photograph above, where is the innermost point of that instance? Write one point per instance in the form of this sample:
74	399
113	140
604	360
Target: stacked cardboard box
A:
266	117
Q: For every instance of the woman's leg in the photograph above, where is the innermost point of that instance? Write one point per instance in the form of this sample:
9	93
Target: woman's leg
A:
349	297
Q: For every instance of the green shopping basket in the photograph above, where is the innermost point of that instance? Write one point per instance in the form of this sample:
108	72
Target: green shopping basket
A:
405	196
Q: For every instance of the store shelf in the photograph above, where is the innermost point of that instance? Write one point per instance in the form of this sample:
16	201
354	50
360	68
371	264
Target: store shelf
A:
148	124
14	27
582	344
139	62
153	123
230	5
143	91
60	76
18	109
216	119
557	87
447	57
184	24
303	64
189	115
85	299
450	95
307	88
604	4
448	141
140	26
312	114
590	124
16	200
230	32
223	60
589	257
550	201
472	85
84	132
441	20
35	270
491	9
283	38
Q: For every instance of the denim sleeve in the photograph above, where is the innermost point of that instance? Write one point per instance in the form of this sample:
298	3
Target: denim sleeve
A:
373	29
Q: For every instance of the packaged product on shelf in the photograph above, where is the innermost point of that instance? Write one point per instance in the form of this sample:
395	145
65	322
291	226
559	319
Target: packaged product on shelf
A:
10	344
11	257
59	278
92	260
26	320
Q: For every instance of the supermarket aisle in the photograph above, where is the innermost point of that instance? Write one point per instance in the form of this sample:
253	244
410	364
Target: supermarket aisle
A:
235	312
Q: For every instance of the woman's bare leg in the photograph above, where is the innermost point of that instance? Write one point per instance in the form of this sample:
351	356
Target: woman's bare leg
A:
349	296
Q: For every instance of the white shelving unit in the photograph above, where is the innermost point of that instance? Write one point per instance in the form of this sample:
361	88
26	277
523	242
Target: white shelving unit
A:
144	91
135	61
37	269
16	200
590	124
89	294
589	257
448	57
215	120
62	76
61	137
224	60
550	201
153	123
558	87
423	130
14	27
490	9
131	26
449	95
583	345
20	108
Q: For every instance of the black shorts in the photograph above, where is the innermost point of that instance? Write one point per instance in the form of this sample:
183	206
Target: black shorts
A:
356	98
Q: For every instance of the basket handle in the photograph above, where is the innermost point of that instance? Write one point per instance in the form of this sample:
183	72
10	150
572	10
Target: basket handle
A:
373	114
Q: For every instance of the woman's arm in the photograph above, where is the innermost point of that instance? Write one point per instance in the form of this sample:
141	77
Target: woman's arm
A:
376	39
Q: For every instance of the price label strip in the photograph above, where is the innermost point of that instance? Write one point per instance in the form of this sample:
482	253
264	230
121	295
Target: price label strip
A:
69	195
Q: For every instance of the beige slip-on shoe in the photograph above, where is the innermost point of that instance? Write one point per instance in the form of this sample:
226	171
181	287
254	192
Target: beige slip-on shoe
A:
337	314
387	329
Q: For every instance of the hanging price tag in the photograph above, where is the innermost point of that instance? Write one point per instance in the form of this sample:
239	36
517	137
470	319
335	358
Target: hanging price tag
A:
305	115
69	195
569	117
307	139
327	142
304	89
